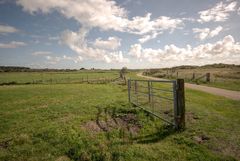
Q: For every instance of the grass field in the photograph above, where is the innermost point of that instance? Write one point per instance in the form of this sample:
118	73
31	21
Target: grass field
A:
55	77
226	77
76	122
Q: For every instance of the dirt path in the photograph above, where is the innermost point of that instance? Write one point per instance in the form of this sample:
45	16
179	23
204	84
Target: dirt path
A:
235	95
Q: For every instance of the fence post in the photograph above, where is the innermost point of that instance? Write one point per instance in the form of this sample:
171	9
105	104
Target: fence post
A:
207	77
129	90
179	110
136	88
149	92
193	76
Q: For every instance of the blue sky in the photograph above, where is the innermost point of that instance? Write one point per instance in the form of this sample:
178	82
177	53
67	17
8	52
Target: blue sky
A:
113	34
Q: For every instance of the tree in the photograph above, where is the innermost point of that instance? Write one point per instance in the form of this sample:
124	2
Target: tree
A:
123	71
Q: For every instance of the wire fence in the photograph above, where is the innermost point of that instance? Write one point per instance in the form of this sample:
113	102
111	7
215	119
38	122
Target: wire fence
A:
68	80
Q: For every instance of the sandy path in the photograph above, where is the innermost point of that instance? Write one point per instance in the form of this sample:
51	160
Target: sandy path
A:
235	95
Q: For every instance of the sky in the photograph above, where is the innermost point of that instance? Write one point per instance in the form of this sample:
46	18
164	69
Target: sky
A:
111	34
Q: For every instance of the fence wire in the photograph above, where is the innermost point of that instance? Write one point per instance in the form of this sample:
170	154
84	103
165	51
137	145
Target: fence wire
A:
156	97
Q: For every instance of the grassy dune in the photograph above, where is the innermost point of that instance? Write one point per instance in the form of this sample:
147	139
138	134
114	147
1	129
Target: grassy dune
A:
60	122
221	75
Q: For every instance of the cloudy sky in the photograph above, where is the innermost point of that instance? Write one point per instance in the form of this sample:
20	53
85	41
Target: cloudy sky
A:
112	34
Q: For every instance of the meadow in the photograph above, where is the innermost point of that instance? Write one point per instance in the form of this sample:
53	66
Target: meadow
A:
221	75
82	121
55	77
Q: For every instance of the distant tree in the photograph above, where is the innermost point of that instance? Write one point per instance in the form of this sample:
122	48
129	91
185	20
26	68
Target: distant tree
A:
123	71
82	68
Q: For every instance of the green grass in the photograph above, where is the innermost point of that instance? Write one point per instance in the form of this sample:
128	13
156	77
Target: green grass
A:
226	84
47	122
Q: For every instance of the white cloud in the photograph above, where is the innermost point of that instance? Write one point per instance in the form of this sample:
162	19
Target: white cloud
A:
216	31
105	14
146	38
98	13
53	38
5	29
75	59
39	53
12	44
220	12
111	43
150	29
76	41
55	60
136	50
238	11
206	32
226	50
144	25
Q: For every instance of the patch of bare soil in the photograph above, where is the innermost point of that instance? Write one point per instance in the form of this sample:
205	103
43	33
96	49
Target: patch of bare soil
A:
191	117
107	121
5	144
63	158
168	113
92	126
201	139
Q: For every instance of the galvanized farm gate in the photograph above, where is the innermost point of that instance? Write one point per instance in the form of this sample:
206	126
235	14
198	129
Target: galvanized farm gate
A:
163	98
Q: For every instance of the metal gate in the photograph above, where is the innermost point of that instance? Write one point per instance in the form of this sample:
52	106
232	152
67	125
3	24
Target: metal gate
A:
162	98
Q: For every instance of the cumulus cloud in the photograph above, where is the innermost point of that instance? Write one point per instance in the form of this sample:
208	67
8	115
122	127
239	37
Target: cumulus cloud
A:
75	59
220	12
53	38
55	60
111	43
150	29
146	38
77	42
98	13
6	29
105	14
12	44
144	25
39	53
226	50
206	32
136	50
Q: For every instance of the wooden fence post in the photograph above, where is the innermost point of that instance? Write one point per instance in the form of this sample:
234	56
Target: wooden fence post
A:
207	77
129	90
149	92
193	76
136	90
135	87
180	105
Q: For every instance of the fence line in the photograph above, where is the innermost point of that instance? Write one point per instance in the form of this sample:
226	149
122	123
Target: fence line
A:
86	79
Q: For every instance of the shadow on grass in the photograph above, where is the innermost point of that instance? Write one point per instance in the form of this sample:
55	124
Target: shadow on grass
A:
128	125
161	133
